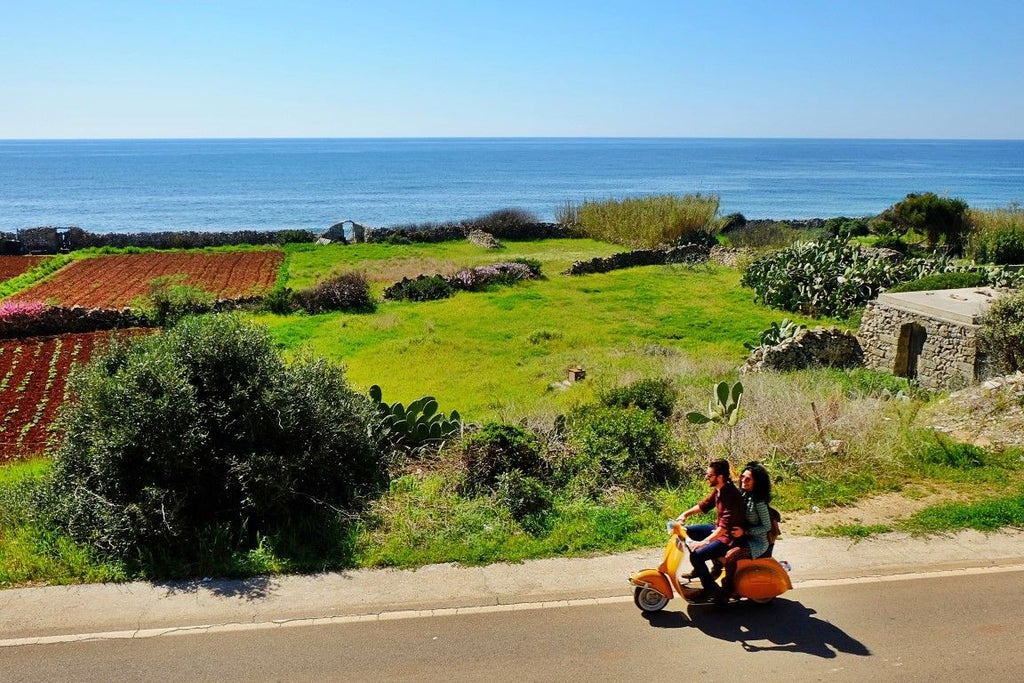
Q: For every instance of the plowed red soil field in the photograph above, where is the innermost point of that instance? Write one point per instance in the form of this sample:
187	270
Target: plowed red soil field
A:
116	281
13	266
33	384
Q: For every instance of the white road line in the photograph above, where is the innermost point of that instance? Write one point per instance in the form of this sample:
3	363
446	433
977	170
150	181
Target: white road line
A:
446	612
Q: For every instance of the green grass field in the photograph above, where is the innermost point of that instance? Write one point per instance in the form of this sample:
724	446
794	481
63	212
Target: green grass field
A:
500	352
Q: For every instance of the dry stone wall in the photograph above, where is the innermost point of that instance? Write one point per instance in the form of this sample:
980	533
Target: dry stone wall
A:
817	348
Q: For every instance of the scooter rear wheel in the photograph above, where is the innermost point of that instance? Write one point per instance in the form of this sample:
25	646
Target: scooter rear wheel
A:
648	599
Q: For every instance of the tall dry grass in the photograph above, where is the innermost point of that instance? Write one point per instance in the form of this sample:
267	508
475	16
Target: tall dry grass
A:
643	222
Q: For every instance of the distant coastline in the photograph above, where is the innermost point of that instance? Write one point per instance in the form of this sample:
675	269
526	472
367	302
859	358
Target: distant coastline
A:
269	184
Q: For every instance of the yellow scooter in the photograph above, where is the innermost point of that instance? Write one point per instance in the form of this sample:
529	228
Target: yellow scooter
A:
758	580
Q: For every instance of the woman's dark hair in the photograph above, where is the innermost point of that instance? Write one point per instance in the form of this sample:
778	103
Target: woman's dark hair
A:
762	482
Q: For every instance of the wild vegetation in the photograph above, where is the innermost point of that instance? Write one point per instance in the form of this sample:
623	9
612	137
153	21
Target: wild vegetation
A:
645	222
495	455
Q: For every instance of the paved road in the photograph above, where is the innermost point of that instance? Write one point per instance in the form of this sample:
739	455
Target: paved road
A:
948	627
524	619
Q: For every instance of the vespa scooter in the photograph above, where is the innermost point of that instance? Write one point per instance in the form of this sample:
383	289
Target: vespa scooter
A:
758	580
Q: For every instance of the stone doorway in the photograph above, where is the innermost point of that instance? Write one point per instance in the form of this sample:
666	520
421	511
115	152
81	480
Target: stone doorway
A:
909	345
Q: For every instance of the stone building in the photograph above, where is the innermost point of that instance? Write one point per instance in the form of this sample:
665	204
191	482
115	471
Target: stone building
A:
927	336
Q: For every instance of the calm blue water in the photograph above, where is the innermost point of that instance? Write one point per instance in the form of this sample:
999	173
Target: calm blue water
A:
155	185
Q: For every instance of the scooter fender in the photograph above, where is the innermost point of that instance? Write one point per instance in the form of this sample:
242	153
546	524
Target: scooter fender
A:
653	579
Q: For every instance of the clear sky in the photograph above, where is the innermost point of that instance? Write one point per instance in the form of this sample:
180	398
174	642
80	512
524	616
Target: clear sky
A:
426	68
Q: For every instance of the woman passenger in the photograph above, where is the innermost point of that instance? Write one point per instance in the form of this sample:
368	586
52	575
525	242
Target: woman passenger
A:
756	488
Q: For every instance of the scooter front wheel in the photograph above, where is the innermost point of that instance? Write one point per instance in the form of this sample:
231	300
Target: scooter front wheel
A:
648	599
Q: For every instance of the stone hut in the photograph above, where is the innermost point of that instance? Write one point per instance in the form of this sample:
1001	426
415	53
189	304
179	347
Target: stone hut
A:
928	336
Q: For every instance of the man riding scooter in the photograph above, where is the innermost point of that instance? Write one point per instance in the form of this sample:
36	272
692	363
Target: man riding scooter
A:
713	541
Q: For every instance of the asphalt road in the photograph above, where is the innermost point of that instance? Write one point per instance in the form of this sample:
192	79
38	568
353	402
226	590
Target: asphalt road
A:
947	626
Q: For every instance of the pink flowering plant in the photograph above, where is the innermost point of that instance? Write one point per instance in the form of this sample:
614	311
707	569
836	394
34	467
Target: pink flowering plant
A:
20	311
474	279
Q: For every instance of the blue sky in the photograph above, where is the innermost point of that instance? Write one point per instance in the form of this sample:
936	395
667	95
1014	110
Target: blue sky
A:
378	68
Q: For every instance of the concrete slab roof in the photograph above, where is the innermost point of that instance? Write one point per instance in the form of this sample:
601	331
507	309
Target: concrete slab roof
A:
965	306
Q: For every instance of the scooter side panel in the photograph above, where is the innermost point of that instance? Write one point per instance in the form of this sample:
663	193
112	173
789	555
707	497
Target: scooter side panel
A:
761	579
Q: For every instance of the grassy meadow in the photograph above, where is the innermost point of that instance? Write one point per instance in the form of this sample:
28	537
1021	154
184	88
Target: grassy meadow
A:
499	353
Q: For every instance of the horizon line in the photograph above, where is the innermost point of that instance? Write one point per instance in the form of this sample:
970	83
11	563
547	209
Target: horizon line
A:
507	137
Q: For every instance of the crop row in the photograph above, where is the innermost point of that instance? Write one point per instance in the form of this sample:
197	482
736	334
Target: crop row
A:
33	385
13	266
118	280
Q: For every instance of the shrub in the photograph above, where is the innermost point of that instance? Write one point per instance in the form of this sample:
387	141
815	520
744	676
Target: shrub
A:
1002	248
620	447
479	277
894	242
733	221
655	395
951	454
280	300
342	292
940	219
422	288
171	300
204	432
846	227
505	223
498	449
954	280
1002	332
526	498
999	235
21	312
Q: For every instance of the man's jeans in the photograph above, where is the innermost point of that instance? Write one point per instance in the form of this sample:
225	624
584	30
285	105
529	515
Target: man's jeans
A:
700	558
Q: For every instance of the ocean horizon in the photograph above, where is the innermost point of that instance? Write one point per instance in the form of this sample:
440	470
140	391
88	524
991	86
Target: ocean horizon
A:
228	184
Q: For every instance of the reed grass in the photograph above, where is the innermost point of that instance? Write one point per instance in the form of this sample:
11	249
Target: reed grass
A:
643	222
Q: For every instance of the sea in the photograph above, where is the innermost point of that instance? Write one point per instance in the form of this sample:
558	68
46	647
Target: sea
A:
153	185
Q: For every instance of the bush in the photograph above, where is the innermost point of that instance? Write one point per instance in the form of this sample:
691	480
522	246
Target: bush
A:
951	454
422	288
505	223
171	300
479	277
655	395
940	219
1002	333
846	227
526	498
1002	246
894	242
620	447
204	432
280	301
953	280
343	292
498	449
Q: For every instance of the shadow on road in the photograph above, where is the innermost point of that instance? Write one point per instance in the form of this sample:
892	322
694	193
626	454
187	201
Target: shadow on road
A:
782	626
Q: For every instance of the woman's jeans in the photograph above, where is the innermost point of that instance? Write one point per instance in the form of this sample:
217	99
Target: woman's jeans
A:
699	559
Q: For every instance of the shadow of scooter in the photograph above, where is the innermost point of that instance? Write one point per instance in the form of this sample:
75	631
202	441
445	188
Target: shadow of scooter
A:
788	626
